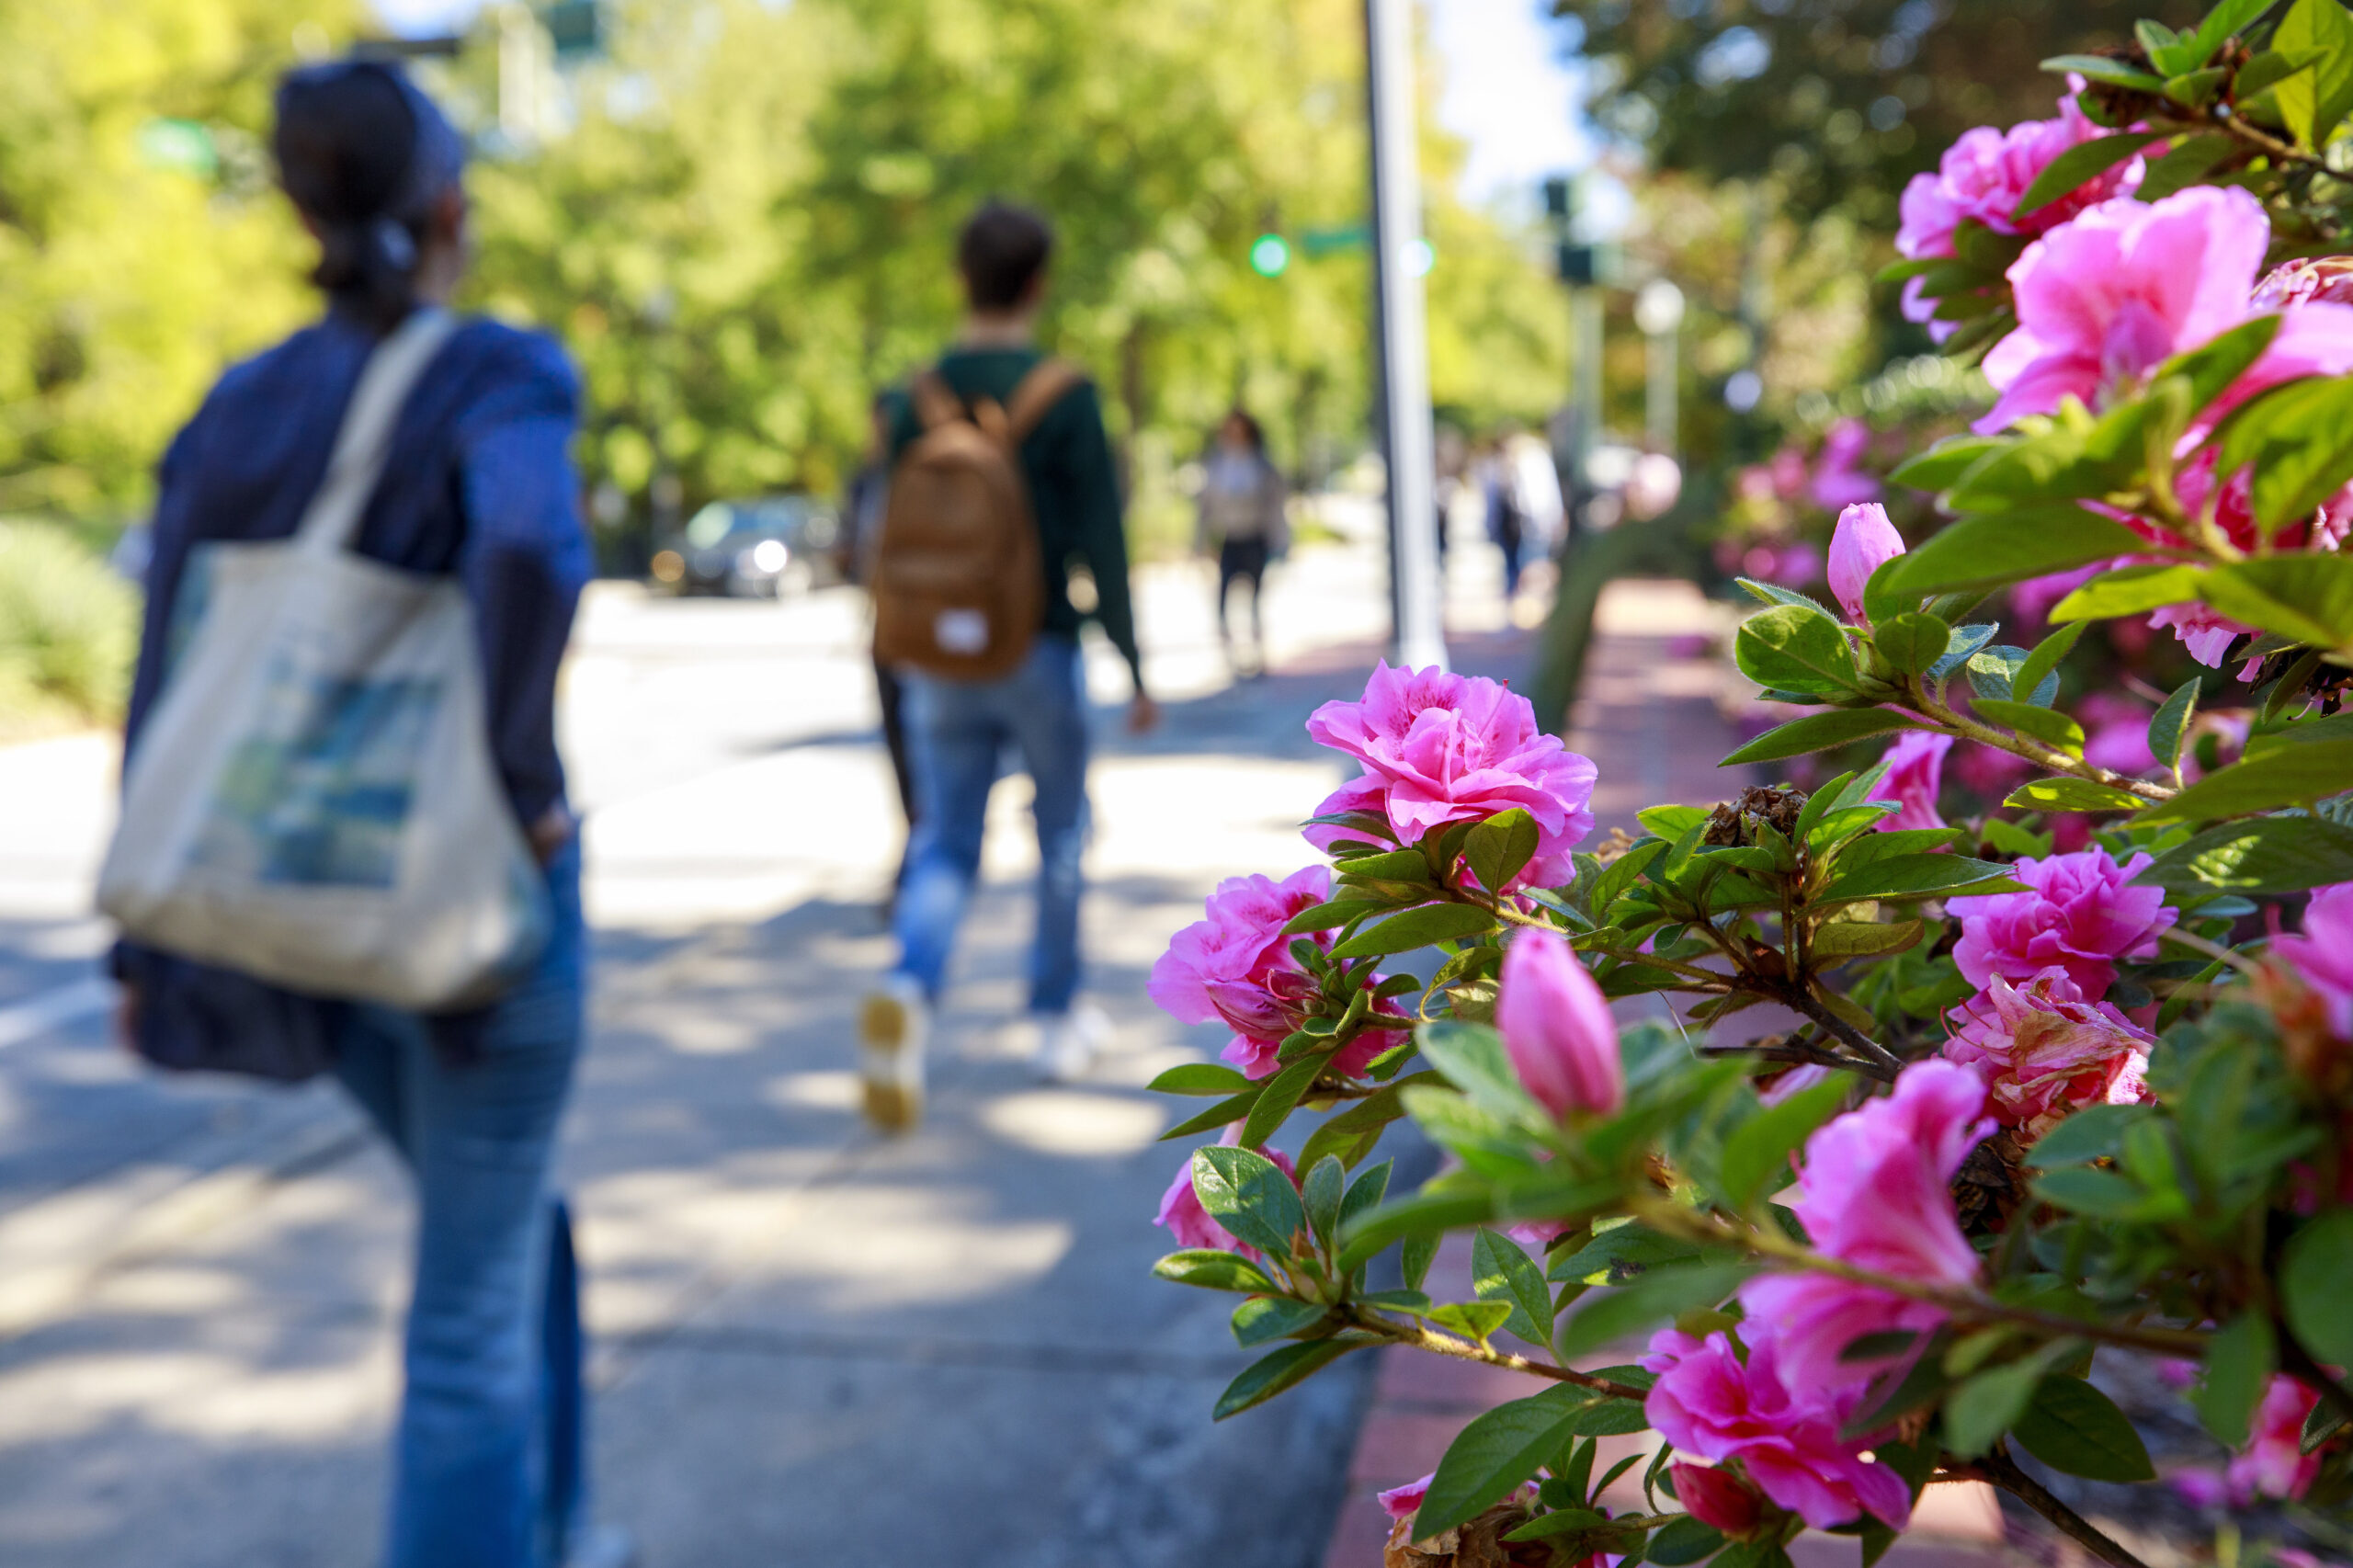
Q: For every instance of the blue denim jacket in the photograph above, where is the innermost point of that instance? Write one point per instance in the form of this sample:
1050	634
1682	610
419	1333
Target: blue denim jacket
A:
479	482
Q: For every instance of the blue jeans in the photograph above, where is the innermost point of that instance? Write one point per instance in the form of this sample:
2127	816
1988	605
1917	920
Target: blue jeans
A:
957	731
488	1458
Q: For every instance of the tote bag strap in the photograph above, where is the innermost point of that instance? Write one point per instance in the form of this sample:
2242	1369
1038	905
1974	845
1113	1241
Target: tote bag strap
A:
366	437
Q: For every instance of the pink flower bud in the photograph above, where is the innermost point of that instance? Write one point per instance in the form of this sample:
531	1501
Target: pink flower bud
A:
1719	1497
1864	541
1557	1028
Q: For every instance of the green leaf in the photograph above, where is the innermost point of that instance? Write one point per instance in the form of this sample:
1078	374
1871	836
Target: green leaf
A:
1420	927
2095	1132
1966	643
2100	68
1366	1192
2299	436
1758	1150
1248	1194
1501	1272
1987	1405
1272	1374
1198	1078
1500	848
1615	1255
2260	855
1329	917
2322	1422
2168	52
2043	663
2073	1427
1389	866
2267	69
1472	1320
2080	164
1222	1114
1320	1194
1792	649
1611	1418
1472	1057
1911	643
2188	163
1881	602
2008	547
1910	876
2314	102
1773	594
1683	1540
2306	597
1943	464
1657	1294
2316	1283
1279	1100
2047	725
1842	939
2061	793
1820	731
2225	21
2293	777
1490	1457
1213	1270
2239	1361
2129	590
2170	722
1265	1318
2103	1195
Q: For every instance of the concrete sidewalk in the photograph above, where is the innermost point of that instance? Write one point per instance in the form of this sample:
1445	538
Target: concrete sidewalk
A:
812	1346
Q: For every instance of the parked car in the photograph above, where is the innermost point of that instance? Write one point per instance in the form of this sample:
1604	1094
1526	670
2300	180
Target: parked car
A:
764	548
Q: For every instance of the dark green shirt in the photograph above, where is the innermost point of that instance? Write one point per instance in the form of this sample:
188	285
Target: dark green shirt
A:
1072	487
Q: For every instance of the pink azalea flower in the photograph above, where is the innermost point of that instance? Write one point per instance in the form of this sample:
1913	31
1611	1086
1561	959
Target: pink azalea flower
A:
2045	1053
1787	467
1838	482
2116	731
1983	176
2033	599
1710	1404
1440	748
2108	296
2320	280
2270	1465
1401	1502
1189	1224
1863	541
1718	1498
1915	768
2080	912
2322	956
2206	633
1872	1192
1236	968
1557	1028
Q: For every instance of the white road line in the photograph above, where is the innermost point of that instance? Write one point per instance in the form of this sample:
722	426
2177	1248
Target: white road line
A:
68	1003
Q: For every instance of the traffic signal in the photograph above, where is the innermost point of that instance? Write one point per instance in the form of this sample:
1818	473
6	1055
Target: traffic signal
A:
1269	256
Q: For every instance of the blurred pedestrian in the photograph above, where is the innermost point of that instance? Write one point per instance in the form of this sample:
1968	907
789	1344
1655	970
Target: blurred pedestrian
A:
870	491
1242	522
1506	523
991	391
449	440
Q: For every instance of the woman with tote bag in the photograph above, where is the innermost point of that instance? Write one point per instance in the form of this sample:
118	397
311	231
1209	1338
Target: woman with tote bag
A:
346	843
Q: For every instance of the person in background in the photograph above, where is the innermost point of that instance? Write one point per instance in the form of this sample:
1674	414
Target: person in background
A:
1506	524
870	489
1241	520
488	1454
957	729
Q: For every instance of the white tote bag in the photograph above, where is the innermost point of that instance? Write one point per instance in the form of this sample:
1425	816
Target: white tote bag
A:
312	799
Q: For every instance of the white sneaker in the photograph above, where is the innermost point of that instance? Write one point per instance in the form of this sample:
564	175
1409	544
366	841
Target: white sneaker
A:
893	1026
1068	1041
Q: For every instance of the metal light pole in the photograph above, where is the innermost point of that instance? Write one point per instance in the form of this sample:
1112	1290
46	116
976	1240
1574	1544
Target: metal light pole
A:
1404	341
1658	311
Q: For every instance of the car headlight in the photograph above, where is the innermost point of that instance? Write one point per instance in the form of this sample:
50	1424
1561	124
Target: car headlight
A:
769	555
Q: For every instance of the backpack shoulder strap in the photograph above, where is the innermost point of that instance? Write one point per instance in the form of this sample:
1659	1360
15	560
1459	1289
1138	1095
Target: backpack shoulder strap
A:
1049	380
935	403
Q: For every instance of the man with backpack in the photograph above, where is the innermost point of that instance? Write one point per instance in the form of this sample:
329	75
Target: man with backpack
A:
1002	486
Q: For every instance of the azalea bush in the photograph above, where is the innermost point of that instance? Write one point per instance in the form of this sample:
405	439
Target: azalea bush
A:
1824	1141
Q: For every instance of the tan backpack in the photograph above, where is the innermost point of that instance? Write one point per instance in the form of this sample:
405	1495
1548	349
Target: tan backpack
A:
958	585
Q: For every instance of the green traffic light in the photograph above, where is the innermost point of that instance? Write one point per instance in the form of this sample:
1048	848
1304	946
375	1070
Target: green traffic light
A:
1269	255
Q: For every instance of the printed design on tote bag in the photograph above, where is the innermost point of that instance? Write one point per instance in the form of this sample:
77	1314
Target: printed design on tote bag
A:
319	794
